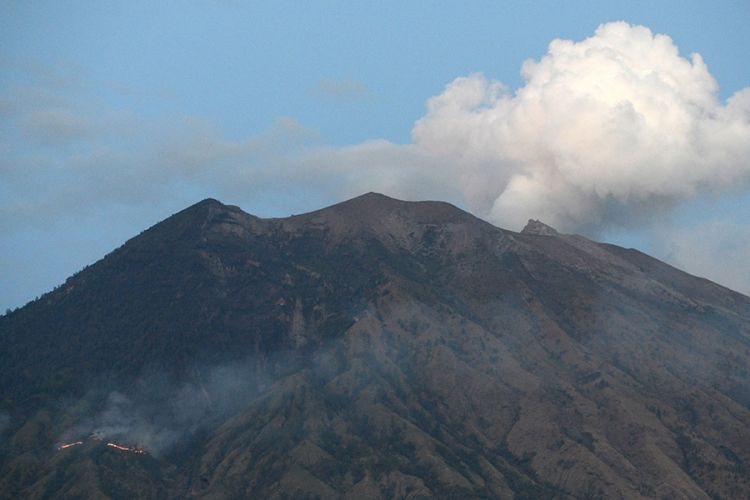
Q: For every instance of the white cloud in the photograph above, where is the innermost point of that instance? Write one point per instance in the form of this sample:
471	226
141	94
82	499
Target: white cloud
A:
614	130
606	131
603	132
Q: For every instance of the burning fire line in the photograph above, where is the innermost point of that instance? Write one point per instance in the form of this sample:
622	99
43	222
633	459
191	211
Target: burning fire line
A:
68	445
119	447
116	446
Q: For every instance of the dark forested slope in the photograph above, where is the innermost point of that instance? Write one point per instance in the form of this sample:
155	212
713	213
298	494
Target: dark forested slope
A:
375	349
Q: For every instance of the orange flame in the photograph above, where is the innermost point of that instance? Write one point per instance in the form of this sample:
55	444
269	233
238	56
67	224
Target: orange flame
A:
125	448
115	446
68	445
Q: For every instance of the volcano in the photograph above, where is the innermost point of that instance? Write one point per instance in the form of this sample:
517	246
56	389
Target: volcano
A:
376	348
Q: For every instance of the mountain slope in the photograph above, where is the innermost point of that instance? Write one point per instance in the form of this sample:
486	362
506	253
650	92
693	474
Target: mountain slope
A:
379	349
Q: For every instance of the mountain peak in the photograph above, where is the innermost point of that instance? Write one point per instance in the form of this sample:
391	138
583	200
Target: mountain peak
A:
394	222
209	207
539	228
369	347
210	201
205	206
372	207
206	203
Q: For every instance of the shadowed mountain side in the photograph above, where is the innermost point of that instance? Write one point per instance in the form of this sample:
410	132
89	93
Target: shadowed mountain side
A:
387	349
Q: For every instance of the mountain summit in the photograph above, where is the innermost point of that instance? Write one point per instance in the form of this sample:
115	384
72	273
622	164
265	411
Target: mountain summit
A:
376	348
539	228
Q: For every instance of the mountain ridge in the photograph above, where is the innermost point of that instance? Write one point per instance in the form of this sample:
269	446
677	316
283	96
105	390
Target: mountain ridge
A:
376	349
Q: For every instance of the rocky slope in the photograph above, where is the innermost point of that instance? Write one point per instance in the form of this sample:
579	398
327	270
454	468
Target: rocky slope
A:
376	349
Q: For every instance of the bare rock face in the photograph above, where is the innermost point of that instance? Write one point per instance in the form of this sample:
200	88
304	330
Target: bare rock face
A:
376	349
539	228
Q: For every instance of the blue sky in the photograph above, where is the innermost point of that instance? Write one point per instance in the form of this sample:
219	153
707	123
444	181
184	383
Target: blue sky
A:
113	115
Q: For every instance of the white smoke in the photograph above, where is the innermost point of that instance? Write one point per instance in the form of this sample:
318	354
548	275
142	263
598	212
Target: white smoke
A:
158	413
604	131
717	249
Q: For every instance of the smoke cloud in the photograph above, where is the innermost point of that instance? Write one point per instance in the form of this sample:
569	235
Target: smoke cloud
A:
604	131
158	414
715	248
607	131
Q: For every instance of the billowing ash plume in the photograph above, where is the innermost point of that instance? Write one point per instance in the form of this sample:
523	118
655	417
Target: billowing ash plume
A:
604	131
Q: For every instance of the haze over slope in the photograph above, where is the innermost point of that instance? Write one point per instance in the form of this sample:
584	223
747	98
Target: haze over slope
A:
377	349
